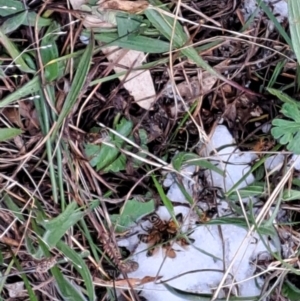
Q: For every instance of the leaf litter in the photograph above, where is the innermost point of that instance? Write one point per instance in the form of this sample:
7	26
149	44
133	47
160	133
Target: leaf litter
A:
165	115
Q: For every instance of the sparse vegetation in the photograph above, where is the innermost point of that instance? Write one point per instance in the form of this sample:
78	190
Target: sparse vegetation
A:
101	102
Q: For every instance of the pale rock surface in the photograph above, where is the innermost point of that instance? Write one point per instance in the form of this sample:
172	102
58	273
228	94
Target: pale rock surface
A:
192	268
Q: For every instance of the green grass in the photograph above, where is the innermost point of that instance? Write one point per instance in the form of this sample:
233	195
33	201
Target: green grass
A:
60	192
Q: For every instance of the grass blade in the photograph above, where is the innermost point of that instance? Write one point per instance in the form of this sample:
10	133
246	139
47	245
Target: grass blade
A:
78	82
14	53
294	19
31	87
80	266
9	133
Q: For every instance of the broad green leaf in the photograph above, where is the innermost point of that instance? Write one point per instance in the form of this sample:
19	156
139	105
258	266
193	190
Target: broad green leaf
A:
9	7
294	22
9	133
49	52
288	132
103	155
77	85
14	53
130	213
291	291
127	23
290	195
14	22
80	266
134	42
117	165
57	227
42	22
68	290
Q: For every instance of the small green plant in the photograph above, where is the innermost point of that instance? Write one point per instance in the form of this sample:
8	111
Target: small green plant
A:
108	156
287	131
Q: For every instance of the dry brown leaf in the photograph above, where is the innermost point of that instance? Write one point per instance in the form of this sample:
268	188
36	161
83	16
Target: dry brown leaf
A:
16	290
12	114
148	279
132	7
126	282
139	84
28	111
197	85
19	142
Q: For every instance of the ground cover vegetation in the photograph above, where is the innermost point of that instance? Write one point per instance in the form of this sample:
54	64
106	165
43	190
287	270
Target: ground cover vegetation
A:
83	159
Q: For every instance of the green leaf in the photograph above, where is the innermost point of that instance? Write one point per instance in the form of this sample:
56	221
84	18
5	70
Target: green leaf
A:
290	195
131	212
127	23
80	266
288	132
105	156
14	22
184	158
134	42
251	190
11	205
31	20
68	290
57	227
291	291
283	97
13	7
117	165
166	201
14	53
49	52
77	85
26	281
9	133
29	88
294	22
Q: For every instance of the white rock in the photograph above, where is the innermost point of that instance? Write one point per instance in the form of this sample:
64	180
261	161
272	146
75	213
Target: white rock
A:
174	192
278	8
199	268
229	159
297	159
274	162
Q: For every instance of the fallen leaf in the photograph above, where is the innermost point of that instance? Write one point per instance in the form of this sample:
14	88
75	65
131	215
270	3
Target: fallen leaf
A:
12	114
128	282
139	84
132	7
28	111
16	290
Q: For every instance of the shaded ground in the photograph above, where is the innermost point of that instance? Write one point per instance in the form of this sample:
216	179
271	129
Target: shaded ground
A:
73	176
